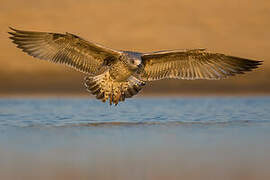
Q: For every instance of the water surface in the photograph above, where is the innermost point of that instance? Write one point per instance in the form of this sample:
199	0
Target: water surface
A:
143	138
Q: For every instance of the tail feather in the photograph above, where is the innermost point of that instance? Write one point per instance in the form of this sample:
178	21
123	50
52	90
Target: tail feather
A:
104	87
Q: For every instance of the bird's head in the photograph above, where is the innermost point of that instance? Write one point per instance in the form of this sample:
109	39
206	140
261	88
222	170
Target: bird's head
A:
134	61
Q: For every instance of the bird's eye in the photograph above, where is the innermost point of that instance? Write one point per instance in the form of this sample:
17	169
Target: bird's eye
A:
132	61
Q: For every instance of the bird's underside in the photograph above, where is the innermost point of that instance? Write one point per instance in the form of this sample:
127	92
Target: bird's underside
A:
116	75
104	87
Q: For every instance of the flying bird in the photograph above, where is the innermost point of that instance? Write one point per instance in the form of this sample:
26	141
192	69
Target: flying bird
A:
115	74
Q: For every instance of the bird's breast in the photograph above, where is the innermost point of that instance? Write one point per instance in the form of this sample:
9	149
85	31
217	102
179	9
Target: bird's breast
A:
120	71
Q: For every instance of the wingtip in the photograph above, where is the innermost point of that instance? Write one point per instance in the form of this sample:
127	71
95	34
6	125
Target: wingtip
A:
11	28
258	62
11	33
16	30
11	37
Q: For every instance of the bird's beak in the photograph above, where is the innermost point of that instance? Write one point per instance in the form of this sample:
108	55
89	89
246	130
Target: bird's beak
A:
140	66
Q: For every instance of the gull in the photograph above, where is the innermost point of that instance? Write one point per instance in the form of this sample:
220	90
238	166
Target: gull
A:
117	74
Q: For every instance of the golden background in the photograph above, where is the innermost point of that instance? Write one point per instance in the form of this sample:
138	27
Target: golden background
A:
239	28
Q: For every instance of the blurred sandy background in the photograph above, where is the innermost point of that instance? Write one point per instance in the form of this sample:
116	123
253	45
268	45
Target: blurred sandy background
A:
236	27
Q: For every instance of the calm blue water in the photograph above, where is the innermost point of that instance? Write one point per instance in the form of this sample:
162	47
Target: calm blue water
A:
86	112
142	138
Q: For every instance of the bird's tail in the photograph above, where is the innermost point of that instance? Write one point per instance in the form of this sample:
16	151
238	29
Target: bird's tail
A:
104	87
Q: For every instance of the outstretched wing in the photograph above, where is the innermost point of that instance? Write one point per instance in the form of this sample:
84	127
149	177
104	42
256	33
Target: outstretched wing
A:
193	64
66	49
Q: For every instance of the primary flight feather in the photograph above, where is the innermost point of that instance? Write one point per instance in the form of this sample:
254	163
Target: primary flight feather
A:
116	75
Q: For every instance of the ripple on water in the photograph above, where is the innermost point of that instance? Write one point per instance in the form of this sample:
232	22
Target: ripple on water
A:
134	112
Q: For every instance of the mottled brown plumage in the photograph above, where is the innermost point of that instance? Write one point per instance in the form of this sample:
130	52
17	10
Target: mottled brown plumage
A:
116	75
193	64
66	49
